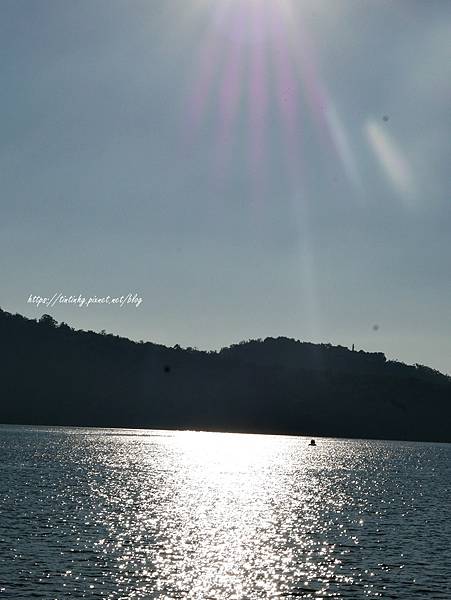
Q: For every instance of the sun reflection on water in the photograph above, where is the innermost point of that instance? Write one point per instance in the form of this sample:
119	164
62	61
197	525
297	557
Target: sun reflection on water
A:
163	514
231	518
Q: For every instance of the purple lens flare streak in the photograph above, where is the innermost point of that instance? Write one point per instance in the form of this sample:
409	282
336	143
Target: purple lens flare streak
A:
258	102
287	93
230	94
209	62
269	44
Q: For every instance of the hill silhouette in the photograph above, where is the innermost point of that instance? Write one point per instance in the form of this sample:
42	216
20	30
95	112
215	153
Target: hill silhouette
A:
54	375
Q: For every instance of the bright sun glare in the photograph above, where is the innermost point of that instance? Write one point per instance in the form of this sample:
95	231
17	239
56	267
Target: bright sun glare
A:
258	71
257	58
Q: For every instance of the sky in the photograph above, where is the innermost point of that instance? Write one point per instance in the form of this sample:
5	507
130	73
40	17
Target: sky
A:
249	168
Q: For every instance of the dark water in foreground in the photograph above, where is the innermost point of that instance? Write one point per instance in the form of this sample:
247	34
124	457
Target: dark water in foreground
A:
155	514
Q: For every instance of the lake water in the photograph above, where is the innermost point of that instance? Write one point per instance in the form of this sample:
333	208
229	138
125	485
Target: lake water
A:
91	513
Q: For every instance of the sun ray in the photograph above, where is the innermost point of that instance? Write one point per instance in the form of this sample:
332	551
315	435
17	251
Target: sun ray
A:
319	99
392	160
258	98
230	91
265	41
343	146
286	91
209	61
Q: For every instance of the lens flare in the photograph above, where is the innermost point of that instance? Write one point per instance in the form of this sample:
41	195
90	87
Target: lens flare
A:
258	78
343	146
391	159
257	59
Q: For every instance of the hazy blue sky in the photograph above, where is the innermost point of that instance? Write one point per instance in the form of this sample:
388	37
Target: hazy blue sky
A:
250	168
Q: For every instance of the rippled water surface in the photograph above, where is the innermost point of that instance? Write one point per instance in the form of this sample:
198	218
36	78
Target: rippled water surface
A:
90	513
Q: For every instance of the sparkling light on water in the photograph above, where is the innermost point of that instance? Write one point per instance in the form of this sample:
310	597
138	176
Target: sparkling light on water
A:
154	514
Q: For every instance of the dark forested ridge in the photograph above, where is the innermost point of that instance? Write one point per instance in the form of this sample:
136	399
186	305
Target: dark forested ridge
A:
51	374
